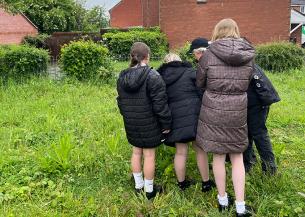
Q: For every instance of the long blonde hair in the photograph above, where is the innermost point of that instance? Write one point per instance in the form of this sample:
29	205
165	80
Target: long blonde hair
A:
226	28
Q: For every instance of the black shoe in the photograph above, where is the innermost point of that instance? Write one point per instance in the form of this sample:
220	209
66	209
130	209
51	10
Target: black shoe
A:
223	208
208	185
157	189
248	212
139	191
186	184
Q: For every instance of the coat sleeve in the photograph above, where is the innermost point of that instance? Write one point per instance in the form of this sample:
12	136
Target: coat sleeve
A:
201	77
118	97
157	93
193	78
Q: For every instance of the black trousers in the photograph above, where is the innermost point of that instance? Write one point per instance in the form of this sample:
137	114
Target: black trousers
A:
258	133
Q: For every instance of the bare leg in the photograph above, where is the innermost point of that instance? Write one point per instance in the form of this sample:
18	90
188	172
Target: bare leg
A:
136	160
180	160
219	171
202	162
238	176
149	163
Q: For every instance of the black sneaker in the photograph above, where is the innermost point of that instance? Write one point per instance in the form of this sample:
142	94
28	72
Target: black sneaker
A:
157	189
139	190
223	208
208	185
248	212
186	184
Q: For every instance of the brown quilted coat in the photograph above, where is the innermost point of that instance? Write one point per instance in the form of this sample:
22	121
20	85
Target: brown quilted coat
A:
224	73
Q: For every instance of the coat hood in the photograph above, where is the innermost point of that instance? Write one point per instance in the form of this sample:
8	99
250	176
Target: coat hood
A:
132	79
234	52
172	71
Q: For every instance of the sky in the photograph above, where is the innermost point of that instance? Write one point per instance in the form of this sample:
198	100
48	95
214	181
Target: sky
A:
107	3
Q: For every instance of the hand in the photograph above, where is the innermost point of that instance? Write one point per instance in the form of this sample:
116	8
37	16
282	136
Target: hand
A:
166	131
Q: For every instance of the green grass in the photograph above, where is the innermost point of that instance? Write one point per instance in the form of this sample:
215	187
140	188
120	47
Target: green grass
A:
64	153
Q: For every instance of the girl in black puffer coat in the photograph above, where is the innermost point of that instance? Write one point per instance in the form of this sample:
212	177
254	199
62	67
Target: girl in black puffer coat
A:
184	100
143	104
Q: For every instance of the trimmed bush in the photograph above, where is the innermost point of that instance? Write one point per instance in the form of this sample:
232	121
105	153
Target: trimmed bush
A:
22	61
119	43
38	41
280	56
184	55
86	60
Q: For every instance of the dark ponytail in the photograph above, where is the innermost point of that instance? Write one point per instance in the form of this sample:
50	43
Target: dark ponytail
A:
139	52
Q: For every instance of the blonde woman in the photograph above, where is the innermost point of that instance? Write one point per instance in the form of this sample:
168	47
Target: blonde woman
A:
184	100
224	73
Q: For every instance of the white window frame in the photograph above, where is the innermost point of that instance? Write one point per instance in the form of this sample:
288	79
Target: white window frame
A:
202	1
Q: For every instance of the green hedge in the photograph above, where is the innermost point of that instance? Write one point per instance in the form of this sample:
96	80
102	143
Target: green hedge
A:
280	56
22	61
38	41
184	55
86	60
119	43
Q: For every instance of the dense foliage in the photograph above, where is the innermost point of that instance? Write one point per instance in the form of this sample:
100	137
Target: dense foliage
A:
22	61
184	55
38	41
280	56
59	16
86	60
119	43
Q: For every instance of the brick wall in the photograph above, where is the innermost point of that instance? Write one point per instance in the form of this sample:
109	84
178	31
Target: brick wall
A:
13	28
151	12
126	13
259	20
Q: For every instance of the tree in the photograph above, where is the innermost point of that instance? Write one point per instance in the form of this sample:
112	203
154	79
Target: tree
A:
95	19
59	15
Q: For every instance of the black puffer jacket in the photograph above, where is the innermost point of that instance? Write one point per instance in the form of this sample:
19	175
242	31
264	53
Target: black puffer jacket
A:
184	100
261	92
142	101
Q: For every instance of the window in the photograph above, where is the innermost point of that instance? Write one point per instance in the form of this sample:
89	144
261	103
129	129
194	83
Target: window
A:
302	9
201	1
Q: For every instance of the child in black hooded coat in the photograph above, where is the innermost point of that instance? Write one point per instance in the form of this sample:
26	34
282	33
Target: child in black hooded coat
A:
184	100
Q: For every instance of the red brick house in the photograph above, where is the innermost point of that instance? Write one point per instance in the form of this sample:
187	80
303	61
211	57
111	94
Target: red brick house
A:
182	20
129	13
13	28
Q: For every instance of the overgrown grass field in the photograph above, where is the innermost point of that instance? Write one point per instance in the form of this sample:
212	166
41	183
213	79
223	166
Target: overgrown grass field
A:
64	153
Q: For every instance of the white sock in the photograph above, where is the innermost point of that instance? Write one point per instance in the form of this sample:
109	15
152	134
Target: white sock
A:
240	206
138	179
224	201
149	185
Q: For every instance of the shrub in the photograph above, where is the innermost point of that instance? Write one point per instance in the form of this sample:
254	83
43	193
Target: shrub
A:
150	29
86	60
38	41
21	60
119	43
280	56
184	55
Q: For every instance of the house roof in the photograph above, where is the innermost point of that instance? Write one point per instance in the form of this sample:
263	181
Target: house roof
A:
28	20
115	6
8	18
297	17
297	2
